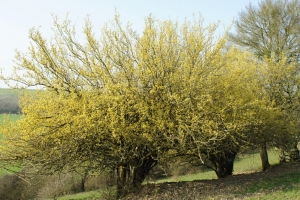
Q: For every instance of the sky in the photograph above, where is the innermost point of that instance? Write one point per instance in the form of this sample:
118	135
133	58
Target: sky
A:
18	16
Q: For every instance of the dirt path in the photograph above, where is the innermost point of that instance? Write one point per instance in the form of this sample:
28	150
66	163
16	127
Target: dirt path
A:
218	188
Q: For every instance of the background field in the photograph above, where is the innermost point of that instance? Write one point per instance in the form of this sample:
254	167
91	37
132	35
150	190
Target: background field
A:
13	117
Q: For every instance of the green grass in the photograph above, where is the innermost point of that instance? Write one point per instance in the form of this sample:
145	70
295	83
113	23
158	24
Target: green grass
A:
13	91
6	91
4	172
245	163
282	187
293	193
12	117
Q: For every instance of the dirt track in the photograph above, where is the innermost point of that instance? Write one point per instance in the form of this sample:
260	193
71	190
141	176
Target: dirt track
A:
217	189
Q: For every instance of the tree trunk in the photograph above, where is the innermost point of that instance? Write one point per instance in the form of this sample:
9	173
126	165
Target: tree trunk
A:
294	153
264	156
82	184
223	163
130	176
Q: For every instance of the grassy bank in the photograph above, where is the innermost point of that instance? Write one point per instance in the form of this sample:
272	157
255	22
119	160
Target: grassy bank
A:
281	187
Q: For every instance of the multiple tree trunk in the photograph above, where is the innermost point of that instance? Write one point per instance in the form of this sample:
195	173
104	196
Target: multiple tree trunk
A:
223	163
131	175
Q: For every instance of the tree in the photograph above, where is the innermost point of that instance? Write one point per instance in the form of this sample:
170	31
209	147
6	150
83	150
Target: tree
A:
127	101
271	31
229	113
111	103
280	81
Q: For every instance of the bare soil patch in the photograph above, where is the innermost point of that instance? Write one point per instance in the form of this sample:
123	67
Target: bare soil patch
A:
226	188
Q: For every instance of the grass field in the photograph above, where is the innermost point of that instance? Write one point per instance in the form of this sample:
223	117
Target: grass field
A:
12	117
6	91
246	163
12	91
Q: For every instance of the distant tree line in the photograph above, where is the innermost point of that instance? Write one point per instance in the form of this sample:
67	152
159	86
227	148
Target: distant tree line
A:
9	103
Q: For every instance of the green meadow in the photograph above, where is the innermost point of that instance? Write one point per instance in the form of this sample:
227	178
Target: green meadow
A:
12	117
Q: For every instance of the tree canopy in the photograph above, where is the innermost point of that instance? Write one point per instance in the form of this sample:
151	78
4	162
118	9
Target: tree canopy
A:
270	29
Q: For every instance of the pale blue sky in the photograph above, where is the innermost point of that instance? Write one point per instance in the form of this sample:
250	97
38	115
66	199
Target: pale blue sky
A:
18	16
